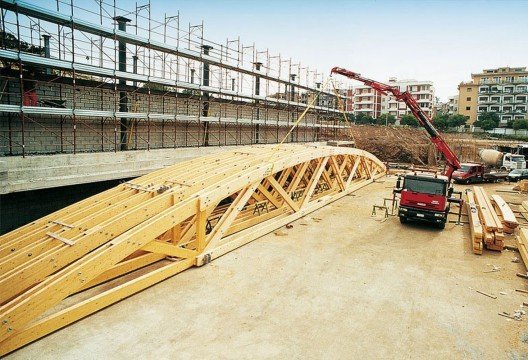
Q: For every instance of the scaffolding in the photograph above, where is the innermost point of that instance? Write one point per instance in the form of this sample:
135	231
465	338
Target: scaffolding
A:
108	78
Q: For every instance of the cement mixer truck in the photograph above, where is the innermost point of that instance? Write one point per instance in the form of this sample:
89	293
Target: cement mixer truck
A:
502	161
495	166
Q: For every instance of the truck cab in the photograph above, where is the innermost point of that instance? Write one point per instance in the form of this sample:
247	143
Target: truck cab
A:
423	197
469	172
513	161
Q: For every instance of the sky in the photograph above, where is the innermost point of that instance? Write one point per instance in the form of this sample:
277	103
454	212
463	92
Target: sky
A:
440	41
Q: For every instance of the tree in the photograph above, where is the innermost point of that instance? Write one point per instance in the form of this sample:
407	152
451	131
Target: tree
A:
363	118
351	117
386	119
10	41
457	120
441	121
488	120
520	124
409	120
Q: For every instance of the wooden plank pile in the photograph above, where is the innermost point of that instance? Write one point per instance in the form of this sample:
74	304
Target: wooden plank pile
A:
522	244
505	213
474	223
523	209
491	226
521	186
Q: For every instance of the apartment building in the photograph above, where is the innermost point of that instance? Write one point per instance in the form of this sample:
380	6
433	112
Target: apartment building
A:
452	105
423	92
502	90
366	101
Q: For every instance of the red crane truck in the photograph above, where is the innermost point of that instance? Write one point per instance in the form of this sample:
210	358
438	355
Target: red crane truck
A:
423	196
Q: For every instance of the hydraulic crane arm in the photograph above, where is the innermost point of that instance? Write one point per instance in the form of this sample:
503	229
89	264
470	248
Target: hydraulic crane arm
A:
452	160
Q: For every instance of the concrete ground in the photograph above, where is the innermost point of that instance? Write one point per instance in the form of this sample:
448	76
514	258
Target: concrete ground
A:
340	284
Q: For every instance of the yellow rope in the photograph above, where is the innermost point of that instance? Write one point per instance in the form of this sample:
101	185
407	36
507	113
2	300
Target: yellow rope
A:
310	105
341	107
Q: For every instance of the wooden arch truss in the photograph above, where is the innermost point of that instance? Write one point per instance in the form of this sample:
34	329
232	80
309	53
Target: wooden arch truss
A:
78	260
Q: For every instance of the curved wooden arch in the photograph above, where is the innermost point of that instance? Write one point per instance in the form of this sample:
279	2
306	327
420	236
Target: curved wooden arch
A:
162	223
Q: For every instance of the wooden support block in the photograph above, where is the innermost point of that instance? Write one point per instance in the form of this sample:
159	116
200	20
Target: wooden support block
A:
522	244
509	220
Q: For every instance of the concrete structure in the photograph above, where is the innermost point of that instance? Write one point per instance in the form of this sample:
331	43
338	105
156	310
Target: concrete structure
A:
423	92
501	90
449	107
452	105
467	101
349	100
367	101
61	102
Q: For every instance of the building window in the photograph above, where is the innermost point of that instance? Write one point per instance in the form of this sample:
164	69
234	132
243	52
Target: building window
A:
468	99
468	108
469	89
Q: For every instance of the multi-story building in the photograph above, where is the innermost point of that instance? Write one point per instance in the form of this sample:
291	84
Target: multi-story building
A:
502	90
423	92
349	94
452	105
366	101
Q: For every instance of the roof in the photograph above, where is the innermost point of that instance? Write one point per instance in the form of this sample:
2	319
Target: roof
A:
471	164
428	175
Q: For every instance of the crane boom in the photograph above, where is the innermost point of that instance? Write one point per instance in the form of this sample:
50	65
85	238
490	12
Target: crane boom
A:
452	160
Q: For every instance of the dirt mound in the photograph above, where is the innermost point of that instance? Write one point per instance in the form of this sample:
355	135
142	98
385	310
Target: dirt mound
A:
393	144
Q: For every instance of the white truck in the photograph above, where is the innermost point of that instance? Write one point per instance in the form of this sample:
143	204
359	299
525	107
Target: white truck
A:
502	161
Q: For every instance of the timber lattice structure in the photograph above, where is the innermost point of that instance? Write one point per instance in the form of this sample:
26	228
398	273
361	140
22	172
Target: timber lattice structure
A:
78	260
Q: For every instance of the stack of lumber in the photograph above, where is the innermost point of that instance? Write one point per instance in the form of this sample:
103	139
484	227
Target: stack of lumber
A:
521	186
522	244
474	223
505	213
492	228
523	209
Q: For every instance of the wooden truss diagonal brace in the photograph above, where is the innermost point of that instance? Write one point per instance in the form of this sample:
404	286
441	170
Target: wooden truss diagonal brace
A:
160	247
230	215
314	180
337	172
353	172
282	193
269	196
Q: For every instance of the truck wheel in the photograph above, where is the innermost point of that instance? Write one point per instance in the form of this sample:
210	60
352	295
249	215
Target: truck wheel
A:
441	225
403	220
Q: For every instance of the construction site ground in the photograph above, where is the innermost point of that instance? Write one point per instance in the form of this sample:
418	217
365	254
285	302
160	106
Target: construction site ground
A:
339	284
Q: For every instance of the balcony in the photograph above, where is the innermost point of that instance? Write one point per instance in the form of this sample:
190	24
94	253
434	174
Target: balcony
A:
359	102
503	81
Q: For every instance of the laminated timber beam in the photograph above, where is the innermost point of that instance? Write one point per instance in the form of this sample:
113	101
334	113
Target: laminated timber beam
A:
89	255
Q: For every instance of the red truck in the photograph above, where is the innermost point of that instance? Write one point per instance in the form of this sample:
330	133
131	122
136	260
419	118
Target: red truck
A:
423	196
474	173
